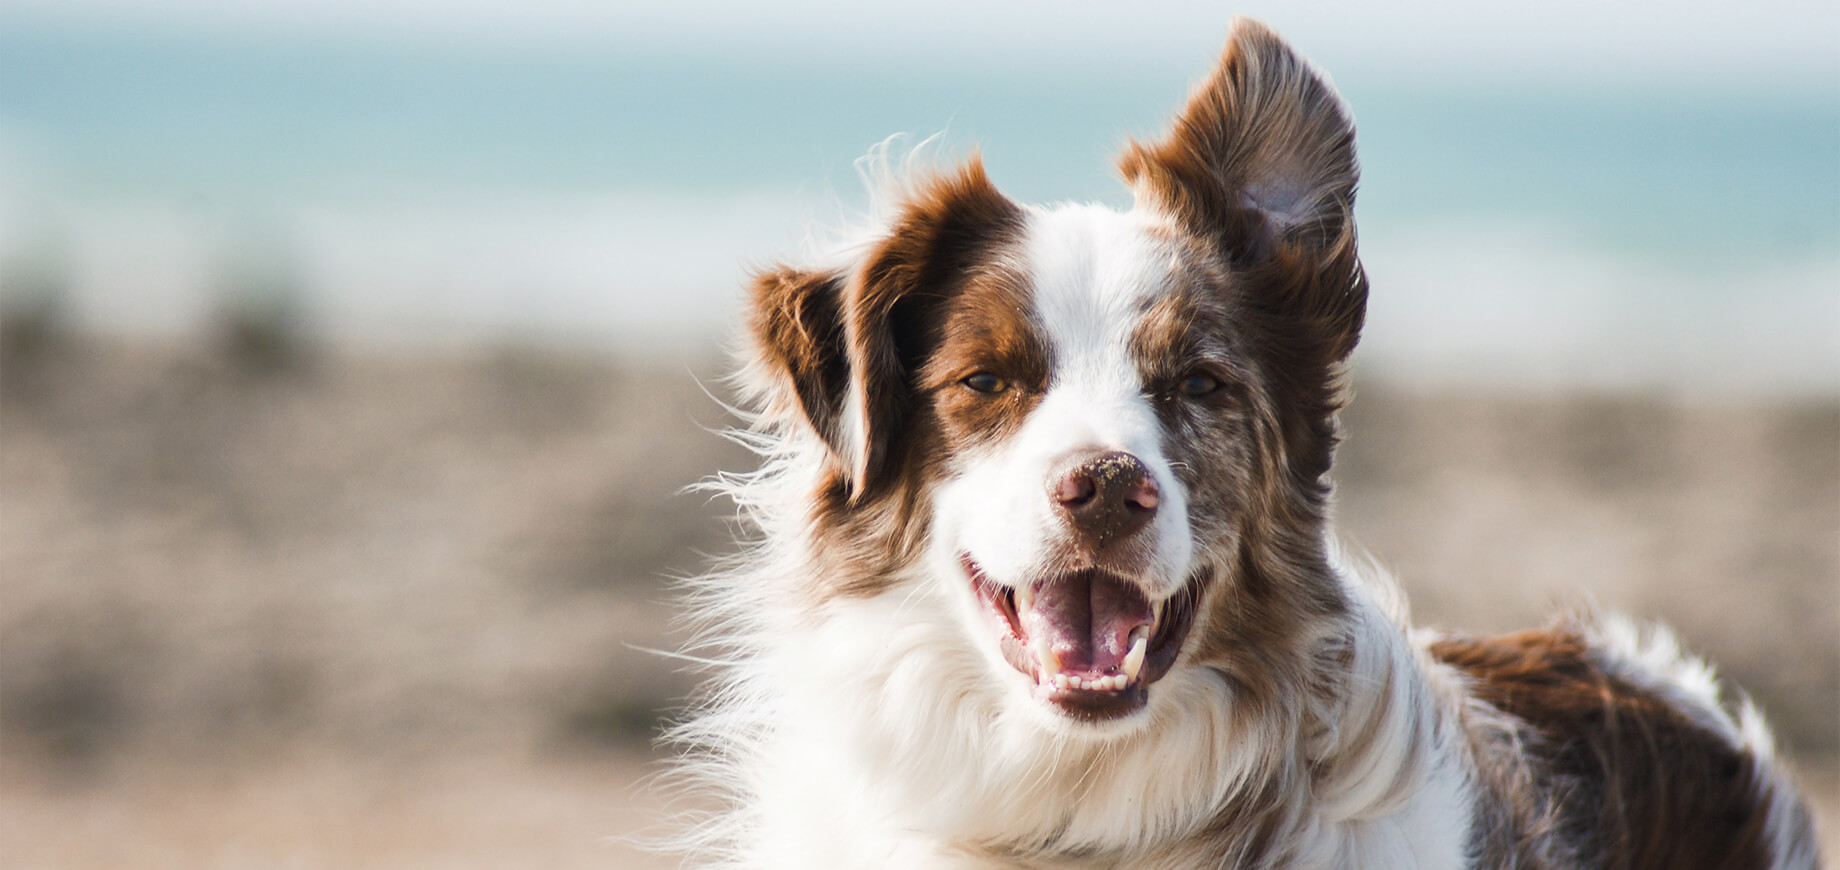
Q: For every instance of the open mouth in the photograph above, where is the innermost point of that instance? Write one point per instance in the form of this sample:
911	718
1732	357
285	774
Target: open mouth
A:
1091	640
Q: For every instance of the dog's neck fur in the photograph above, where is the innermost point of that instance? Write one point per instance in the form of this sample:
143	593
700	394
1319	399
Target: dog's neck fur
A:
871	708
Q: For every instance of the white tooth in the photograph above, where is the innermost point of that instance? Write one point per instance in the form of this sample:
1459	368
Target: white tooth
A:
1025	599
1134	658
1060	681
1050	663
1077	682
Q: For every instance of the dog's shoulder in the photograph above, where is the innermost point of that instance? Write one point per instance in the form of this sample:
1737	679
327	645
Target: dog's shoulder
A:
1624	752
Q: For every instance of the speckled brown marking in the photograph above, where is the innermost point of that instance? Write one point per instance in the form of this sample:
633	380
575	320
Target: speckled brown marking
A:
1258	177
1260	165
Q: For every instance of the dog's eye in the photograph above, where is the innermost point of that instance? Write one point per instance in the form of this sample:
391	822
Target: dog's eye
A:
1198	384
985	382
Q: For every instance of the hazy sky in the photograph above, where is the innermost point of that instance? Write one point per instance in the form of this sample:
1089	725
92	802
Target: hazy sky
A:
1700	40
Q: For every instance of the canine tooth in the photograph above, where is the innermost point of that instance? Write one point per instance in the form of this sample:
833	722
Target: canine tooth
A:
1025	599
1134	658
1050	663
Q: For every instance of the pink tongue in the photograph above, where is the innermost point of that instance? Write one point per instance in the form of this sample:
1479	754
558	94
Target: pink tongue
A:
1087	617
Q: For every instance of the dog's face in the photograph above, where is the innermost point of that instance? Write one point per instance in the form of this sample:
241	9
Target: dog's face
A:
1103	435
1077	504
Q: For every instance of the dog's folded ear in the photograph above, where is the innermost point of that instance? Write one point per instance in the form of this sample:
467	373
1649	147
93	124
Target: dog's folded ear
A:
795	321
1261	162
845	345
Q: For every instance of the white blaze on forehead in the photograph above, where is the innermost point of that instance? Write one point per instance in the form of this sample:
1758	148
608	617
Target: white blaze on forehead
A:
1090	271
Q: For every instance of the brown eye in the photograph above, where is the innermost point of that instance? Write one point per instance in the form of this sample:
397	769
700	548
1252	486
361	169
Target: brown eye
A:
985	382
1198	385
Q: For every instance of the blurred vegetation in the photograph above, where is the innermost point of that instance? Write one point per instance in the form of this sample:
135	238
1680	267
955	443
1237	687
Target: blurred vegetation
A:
34	295
260	317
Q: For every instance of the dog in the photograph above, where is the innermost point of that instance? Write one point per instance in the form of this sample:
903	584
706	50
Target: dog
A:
1041	571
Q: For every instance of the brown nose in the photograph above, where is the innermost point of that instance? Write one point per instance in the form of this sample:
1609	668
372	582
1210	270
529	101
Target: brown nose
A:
1106	497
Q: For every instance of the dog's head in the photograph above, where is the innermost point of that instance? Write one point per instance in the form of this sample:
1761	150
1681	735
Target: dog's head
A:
1106	433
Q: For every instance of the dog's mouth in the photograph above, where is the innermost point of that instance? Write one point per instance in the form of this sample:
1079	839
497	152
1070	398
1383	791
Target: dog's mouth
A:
1091	640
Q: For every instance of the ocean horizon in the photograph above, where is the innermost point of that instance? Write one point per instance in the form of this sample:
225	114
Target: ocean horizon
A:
1646	235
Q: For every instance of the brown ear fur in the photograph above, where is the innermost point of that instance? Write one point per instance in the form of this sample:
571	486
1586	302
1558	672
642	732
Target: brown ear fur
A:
1261	162
797	329
868	332
945	229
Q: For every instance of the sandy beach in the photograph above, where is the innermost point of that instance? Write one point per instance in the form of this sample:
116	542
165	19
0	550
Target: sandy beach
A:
338	609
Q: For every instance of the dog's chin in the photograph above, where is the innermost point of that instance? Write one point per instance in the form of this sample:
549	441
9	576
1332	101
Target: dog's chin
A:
1090	642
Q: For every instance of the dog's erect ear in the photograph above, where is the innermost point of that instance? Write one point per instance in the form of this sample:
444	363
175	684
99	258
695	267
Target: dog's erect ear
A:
847	344
1261	162
1262	156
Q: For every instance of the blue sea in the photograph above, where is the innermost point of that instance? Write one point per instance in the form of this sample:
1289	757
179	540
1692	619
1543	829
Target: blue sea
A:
1684	237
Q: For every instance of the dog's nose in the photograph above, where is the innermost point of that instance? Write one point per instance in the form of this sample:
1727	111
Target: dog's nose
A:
1105	496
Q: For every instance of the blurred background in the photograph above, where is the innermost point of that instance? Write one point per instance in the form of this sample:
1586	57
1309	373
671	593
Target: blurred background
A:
354	355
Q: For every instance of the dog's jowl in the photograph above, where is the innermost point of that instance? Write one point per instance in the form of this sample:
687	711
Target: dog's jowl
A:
1039	572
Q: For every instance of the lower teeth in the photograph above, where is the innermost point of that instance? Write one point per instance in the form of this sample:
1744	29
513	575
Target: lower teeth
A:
1113	683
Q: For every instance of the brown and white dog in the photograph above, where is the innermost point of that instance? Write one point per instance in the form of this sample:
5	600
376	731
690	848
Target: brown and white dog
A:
1043	574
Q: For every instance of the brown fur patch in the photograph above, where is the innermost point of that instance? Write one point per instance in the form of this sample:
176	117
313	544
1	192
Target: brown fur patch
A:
797	328
990	329
1615	769
931	304
1262	156
948	232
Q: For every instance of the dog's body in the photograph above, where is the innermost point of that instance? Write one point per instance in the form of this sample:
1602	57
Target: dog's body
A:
1044	576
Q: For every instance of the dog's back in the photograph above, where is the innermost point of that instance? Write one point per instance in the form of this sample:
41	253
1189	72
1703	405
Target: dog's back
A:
1613	750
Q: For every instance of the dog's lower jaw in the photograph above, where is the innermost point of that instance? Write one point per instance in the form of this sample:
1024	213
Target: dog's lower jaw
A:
1120	652
915	753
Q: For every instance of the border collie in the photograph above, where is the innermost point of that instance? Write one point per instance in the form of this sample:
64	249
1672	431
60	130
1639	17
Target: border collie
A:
1042	573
